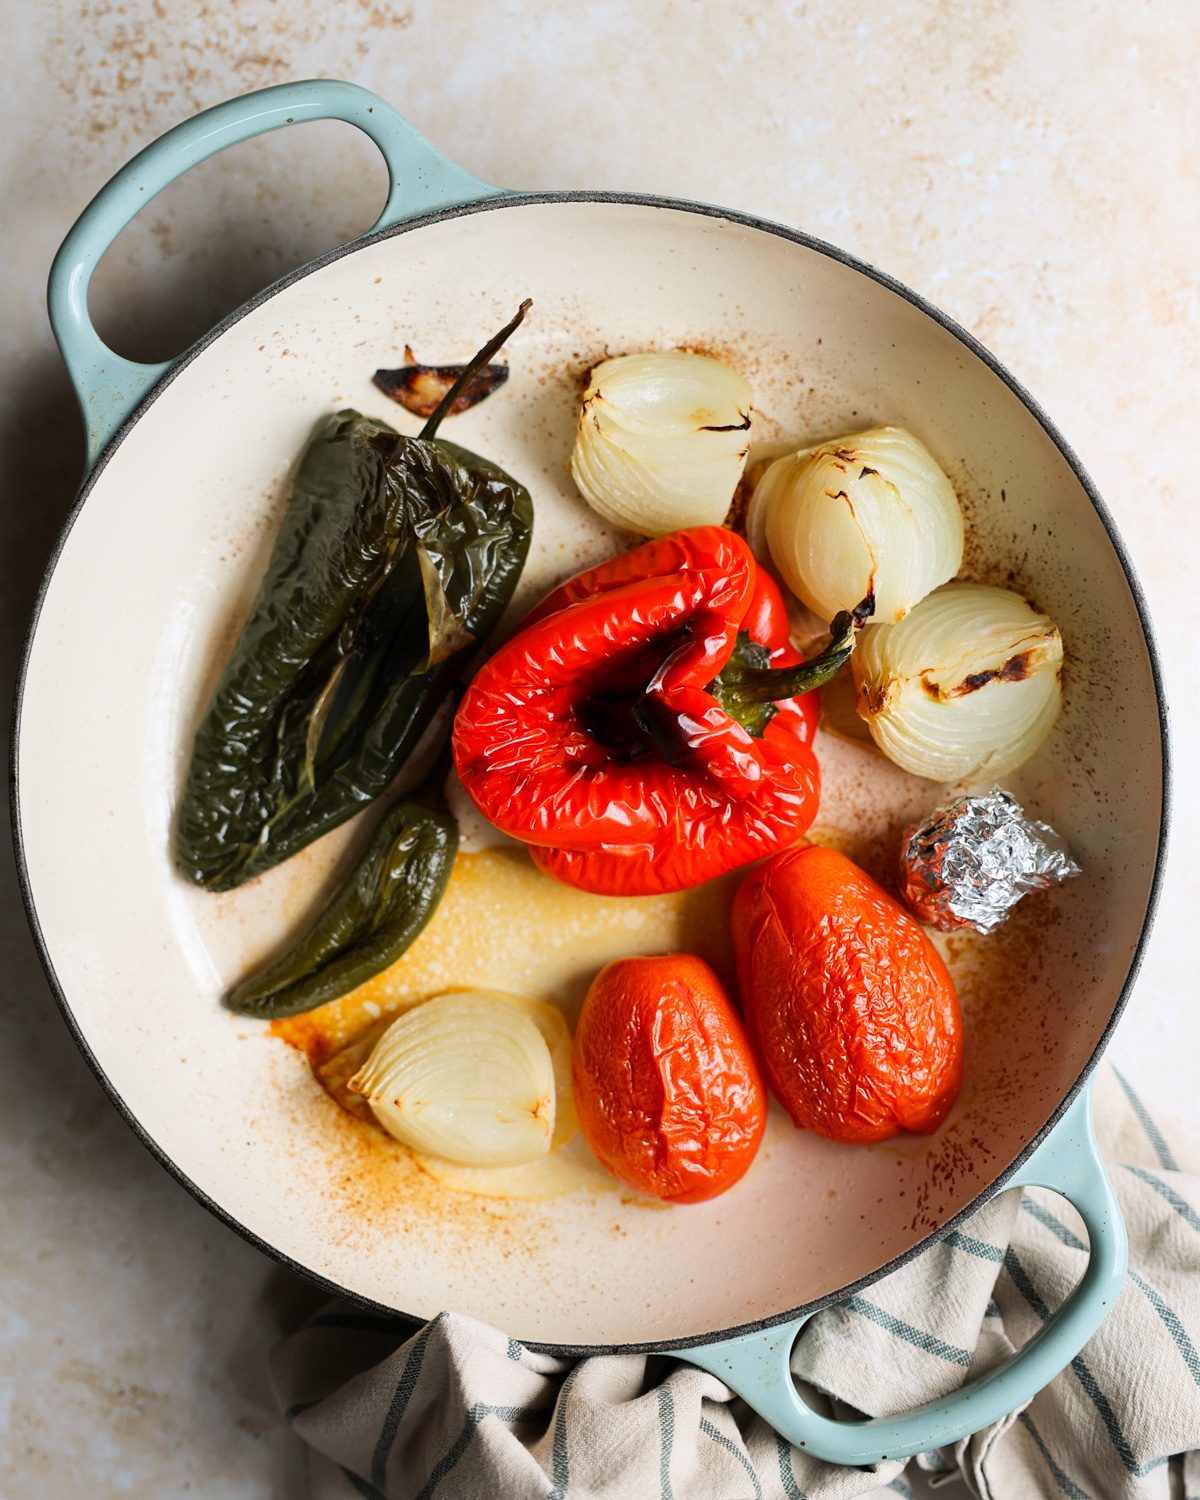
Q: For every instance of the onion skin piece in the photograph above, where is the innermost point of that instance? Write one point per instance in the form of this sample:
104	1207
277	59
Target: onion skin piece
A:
851	1009
421	388
667	1090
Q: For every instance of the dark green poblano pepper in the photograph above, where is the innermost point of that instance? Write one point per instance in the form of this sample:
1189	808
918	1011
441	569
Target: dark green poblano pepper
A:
374	915
396	557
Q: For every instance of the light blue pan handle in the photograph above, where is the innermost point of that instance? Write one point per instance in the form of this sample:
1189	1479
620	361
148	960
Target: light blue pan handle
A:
422	180
756	1365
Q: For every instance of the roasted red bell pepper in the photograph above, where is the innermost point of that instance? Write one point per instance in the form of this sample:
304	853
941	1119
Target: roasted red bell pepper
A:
644	731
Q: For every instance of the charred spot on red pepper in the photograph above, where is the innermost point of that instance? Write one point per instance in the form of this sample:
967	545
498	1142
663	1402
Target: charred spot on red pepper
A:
613	715
610	719
662	729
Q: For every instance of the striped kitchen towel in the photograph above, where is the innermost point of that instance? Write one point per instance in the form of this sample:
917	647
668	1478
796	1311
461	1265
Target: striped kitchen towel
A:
457	1411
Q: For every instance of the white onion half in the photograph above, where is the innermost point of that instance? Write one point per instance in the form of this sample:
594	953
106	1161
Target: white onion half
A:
965	687
662	441
467	1077
871	511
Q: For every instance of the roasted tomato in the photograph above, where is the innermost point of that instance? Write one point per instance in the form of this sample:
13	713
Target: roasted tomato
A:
847	1001
666	1086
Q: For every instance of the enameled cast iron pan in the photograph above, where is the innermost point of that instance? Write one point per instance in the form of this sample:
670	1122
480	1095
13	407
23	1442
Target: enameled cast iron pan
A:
189	467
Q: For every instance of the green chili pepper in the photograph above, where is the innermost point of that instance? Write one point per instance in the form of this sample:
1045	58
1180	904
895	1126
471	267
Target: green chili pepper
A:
396	557
374	915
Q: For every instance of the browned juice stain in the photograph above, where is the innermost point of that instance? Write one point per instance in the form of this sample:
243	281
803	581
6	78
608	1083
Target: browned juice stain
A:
503	925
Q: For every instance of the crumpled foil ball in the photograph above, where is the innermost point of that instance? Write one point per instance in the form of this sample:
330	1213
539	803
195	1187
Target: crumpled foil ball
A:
974	858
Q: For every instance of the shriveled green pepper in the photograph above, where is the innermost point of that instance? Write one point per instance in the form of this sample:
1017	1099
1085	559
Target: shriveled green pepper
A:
373	916
396	557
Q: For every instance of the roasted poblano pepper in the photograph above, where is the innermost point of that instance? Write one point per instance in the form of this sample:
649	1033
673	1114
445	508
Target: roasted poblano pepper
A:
396	557
374	915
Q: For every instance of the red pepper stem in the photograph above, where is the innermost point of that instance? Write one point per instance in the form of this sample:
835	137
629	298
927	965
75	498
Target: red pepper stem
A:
774	684
445	405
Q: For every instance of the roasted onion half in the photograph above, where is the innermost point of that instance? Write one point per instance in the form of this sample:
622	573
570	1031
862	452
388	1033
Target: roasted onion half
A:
466	1077
662	441
867	514
965	687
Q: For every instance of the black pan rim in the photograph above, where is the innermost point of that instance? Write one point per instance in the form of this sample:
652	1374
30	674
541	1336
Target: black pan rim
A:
503	202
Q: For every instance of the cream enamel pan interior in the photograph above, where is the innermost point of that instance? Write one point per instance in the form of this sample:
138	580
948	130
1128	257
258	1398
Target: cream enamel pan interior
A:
156	572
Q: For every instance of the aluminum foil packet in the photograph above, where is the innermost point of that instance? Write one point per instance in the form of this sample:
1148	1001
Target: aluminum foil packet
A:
974	858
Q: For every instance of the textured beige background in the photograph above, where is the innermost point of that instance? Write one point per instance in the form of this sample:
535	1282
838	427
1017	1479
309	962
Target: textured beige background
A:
1029	166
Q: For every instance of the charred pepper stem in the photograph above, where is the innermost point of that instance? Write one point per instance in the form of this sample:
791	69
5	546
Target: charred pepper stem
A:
444	406
375	914
743	684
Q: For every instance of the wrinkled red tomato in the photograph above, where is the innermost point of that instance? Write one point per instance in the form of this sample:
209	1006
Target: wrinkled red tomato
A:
848	1003
668	1092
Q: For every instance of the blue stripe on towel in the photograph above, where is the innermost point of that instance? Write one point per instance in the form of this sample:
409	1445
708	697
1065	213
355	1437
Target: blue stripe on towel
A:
1056	1227
970	1246
1171	1321
1181	1206
1020	1279
364	1486
1100	1401
299	1409
901	1330
1080	1369
666	1423
709	1431
787	1474
1064	1481
1154	1135
462	1442
398	1405
1168	1315
560	1467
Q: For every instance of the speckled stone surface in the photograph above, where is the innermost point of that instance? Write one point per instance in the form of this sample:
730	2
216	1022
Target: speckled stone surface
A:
1030	167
